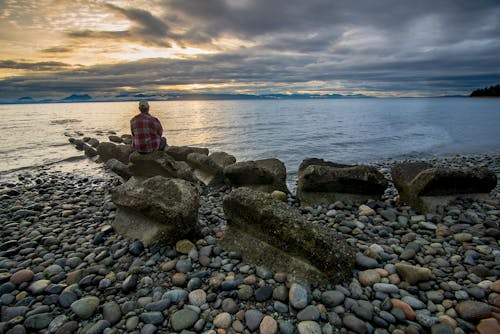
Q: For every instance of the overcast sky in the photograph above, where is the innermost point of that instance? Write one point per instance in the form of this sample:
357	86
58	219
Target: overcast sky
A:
55	48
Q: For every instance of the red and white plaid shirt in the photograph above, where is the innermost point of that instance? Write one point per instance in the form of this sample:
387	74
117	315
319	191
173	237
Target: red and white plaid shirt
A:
146	132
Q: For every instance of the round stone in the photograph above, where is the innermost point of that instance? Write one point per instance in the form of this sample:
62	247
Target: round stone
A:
369	277
38	321
253	319
268	325
197	297
471	310
223	320
183	319
111	312
309	327
310	312
179	279
21	276
184	246
85	307
279	195
332	298
53	270
230	306
183	266
355	324
298	296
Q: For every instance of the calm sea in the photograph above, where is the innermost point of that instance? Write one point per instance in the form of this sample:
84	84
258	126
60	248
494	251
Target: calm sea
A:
342	130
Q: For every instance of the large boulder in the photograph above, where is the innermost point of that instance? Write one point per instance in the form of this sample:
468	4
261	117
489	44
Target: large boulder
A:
210	169
264	175
118	168
159	163
270	232
425	187
109	150
180	153
157	209
323	182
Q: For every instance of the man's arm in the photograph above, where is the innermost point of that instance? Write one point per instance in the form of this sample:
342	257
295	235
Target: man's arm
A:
159	128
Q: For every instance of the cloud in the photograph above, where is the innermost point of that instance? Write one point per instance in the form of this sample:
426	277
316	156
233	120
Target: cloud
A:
36	66
428	47
57	50
145	29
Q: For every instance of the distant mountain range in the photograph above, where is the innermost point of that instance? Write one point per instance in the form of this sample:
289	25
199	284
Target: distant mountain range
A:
193	96
186	97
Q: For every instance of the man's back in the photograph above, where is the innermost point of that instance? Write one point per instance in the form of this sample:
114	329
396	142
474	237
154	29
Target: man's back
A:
146	132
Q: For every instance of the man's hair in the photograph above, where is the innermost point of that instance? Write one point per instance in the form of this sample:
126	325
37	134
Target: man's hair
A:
143	105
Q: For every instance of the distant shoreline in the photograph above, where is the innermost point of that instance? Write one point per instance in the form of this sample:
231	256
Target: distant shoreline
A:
228	98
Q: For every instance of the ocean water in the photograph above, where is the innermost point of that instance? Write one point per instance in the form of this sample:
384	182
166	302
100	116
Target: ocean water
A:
340	130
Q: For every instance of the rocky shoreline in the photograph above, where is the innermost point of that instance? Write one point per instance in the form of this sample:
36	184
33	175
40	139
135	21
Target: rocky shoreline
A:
64	270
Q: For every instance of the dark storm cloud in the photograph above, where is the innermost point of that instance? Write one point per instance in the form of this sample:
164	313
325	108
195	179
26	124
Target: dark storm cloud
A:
33	66
146	28
57	49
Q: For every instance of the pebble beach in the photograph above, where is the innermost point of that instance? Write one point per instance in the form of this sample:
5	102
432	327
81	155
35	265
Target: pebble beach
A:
64	270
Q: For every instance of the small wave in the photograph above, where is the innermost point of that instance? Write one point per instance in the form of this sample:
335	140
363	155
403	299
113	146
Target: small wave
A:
50	163
64	121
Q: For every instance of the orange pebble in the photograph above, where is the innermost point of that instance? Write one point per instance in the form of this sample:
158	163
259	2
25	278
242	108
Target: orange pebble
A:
409	312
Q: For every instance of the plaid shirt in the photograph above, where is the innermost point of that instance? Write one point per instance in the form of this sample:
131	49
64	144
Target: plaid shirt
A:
146	133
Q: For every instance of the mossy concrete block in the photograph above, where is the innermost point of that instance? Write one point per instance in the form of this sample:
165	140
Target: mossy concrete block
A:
425	187
269	232
157	209
325	182
265	175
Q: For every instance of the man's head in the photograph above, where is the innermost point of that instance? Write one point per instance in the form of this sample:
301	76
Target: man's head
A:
144	106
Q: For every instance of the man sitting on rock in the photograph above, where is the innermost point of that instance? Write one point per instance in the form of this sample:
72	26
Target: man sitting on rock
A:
146	131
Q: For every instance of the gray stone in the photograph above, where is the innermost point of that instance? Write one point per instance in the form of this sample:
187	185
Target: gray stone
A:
111	312
298	296
85	307
355	324
181	153
9	313
441	329
308	313
332	298
109	151
183	319
38	321
99	327
149	329
210	169
386	287
415	303
253	319
309	327
366	262
471	310
286	327
155	318
159	163
119	168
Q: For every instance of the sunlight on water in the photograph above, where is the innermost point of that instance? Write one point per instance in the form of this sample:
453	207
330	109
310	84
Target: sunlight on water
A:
349	130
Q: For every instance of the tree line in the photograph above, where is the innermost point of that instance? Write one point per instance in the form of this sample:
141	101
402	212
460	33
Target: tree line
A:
489	91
